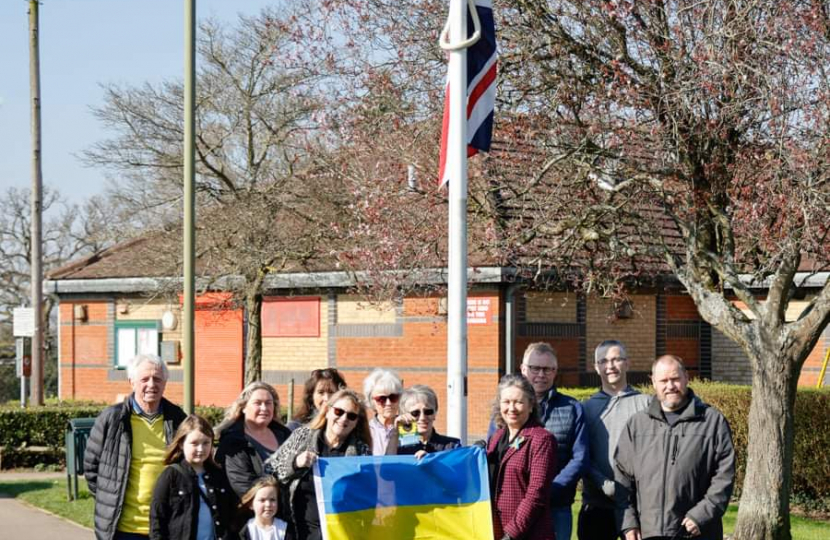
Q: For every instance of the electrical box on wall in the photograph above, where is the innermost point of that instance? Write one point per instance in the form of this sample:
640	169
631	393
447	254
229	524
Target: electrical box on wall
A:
171	352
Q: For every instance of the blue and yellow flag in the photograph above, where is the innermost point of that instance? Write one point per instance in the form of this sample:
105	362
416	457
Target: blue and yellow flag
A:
444	496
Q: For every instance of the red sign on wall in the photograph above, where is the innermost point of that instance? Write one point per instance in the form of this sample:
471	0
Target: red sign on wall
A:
291	317
479	310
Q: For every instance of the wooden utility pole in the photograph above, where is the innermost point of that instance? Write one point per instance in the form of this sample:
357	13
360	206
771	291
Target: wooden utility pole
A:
37	207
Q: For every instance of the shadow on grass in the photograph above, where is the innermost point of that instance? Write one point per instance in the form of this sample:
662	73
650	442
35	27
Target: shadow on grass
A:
13	489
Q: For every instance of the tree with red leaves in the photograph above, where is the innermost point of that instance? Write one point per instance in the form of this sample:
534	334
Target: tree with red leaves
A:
639	139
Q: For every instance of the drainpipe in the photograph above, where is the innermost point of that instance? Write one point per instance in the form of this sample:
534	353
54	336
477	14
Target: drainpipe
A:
510	328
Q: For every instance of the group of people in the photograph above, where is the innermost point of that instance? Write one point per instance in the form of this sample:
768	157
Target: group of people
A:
651	467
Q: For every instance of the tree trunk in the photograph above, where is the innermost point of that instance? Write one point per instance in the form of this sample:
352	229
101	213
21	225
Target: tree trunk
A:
764	512
253	358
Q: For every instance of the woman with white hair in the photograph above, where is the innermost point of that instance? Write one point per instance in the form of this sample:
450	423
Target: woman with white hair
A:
419	407
382	389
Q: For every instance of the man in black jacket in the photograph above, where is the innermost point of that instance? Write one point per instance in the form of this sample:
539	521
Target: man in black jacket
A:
677	462
125	452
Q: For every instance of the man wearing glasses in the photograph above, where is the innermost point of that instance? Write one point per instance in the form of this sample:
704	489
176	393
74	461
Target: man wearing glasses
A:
606	413
562	416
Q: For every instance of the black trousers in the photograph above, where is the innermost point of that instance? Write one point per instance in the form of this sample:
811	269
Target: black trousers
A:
596	523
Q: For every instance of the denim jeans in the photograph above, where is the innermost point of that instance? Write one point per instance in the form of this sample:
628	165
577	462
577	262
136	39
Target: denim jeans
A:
562	522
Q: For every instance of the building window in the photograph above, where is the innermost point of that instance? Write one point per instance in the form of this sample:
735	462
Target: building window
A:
291	317
135	337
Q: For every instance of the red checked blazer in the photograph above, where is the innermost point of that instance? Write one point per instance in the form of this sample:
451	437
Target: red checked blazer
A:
523	484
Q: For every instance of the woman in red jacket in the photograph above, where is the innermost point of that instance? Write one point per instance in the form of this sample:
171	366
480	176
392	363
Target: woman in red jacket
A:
521	456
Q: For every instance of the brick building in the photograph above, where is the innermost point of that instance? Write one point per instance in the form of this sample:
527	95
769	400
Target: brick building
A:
111	307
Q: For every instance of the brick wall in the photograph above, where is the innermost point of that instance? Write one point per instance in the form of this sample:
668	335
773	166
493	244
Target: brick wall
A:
298	353
352	310
87	353
637	332
550	307
812	366
551	317
729	363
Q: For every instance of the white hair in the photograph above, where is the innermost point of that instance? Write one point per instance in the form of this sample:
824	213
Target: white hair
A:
418	393
383	379
137	360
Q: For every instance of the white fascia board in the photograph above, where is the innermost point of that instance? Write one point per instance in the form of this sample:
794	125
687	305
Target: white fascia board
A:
801	279
298	280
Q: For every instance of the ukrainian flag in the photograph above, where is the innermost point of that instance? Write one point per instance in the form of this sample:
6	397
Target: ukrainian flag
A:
444	496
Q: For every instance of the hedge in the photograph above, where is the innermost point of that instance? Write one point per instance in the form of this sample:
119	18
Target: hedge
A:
811	458
21	429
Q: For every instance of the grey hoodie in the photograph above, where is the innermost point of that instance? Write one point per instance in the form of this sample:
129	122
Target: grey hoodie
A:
605	418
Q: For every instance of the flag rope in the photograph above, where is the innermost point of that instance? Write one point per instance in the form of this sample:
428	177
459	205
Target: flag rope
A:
444	40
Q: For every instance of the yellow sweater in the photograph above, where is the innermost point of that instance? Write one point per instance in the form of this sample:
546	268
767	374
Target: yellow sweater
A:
145	467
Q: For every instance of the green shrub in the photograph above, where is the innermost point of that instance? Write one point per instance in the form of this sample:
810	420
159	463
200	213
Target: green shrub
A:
811	461
45	427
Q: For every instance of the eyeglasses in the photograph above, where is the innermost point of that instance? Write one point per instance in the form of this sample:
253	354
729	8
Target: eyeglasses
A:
416	413
393	398
338	412
606	361
540	369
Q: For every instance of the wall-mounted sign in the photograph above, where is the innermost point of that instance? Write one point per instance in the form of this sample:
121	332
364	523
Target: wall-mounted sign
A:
479	310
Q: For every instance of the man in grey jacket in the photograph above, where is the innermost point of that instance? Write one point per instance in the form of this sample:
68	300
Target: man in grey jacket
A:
677	460
606	413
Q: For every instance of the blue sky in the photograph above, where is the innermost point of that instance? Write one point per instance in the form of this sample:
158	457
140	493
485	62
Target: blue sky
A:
85	43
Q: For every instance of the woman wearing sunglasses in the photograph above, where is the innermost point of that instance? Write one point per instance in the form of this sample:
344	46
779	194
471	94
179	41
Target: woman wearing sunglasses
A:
383	389
419	406
339	429
322	384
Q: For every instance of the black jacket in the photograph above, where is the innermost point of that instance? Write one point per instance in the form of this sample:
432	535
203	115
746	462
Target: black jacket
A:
436	443
174	512
107	460
239	458
671	472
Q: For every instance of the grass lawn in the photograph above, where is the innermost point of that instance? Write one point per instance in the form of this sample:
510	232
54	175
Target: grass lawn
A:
51	495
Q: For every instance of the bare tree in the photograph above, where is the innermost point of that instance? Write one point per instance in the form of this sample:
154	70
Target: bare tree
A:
255	130
69	231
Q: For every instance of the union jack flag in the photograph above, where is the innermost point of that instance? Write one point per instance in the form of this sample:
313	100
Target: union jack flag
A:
481	88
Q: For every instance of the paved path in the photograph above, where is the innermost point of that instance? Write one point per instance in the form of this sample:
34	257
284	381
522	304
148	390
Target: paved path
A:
18	520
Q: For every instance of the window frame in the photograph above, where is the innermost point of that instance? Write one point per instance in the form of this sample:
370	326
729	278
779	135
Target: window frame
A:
135	325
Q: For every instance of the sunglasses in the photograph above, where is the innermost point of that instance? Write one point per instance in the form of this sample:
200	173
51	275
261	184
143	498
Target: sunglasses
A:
393	398
338	412
426	412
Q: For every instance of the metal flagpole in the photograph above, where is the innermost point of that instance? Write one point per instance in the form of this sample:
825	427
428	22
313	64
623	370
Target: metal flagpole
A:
457	168
189	233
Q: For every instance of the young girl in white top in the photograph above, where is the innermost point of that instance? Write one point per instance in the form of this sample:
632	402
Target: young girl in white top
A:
262	499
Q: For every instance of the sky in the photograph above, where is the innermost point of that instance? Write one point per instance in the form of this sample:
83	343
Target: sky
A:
83	44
